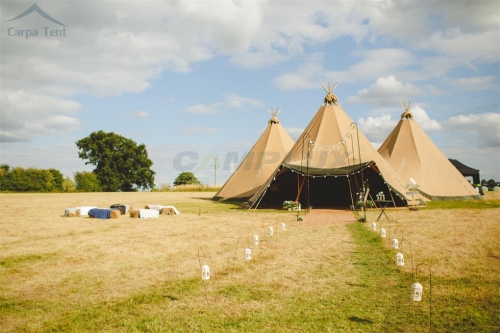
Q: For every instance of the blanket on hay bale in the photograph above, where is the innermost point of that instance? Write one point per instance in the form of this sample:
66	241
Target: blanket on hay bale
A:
104	213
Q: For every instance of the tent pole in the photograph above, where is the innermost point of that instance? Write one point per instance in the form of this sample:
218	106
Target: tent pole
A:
350	192
300	189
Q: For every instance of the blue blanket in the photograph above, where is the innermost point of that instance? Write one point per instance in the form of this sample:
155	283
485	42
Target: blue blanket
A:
100	213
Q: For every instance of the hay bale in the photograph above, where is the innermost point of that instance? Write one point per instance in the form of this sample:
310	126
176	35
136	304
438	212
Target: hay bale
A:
134	214
70	215
115	213
167	211
146	207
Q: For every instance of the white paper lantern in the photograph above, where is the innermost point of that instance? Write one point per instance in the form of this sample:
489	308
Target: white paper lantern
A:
248	254
271	231
417	289
256	239
374	226
205	272
400	259
382	232
395	243
283	226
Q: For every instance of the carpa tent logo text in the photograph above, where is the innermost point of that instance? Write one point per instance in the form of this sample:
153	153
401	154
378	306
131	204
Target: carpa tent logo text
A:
45	31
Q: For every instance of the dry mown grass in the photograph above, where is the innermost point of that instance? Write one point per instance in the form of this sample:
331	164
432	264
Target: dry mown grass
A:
52	267
80	261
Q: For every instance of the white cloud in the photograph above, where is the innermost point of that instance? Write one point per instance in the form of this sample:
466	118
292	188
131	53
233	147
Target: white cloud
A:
475	83
201	109
26	115
141	114
386	91
199	129
230	101
483	128
423	119
377	129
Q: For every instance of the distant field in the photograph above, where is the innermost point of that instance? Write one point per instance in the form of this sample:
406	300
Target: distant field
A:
61	274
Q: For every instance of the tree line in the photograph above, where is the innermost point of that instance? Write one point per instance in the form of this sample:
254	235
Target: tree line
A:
17	179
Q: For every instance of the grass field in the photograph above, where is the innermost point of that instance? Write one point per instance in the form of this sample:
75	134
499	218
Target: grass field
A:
79	274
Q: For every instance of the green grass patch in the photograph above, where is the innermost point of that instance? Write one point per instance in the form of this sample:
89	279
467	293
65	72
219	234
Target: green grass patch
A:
462	204
13	261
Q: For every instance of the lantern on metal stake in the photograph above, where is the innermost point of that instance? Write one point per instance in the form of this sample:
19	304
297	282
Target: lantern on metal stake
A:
395	243
400	259
205	272
382	232
416	294
248	254
374	226
283	226
271	231
256	239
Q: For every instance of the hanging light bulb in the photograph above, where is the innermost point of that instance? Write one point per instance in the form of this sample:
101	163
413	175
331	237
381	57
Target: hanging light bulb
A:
271	231
382	232
256	239
283	226
400	259
205	272
395	243
248	254
374	226
417	289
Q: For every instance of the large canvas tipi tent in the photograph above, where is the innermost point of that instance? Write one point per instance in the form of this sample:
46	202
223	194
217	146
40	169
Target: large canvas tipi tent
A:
330	165
259	164
413	155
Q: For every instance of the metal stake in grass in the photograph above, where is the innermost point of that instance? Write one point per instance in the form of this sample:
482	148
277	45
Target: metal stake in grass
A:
205	271
417	291
411	255
395	243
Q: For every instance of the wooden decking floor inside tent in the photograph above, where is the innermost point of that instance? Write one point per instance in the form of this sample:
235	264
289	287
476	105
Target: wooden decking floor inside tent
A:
328	216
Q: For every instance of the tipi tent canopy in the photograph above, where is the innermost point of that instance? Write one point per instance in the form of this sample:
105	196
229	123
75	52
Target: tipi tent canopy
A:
330	164
259	164
417	159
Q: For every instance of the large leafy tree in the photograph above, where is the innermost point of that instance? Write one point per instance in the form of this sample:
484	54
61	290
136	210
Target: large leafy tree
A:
185	178
120	163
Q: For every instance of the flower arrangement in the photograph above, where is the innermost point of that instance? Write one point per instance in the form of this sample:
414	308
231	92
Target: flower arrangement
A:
289	204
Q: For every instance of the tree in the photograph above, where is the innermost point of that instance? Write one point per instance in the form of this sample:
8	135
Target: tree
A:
57	180
120	164
86	182
185	178
68	185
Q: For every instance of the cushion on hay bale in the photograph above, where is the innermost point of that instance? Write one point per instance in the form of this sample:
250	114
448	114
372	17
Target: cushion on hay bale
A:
160	207
122	208
155	207
149	214
84	210
104	213
72	212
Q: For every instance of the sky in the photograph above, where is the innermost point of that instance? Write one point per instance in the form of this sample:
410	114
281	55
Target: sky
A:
194	80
